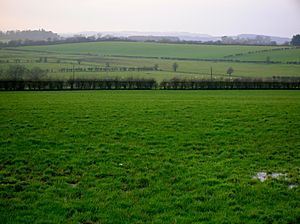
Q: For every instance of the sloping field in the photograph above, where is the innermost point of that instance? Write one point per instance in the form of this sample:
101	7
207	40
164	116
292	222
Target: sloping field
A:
291	55
148	49
66	55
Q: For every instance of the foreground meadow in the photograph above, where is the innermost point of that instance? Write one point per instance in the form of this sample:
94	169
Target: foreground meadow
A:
149	157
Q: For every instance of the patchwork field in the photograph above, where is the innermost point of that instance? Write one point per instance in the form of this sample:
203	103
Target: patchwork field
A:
150	157
138	55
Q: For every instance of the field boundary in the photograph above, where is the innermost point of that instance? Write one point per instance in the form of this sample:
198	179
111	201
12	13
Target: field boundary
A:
222	59
204	59
149	84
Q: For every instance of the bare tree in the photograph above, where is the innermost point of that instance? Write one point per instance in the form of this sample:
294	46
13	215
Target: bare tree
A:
175	66
230	71
36	74
16	72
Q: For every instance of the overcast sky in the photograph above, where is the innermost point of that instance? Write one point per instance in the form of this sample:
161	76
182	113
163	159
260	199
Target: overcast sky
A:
215	17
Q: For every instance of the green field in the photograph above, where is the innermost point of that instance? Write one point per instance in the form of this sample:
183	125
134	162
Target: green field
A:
149	157
101	53
147	49
281	56
173	51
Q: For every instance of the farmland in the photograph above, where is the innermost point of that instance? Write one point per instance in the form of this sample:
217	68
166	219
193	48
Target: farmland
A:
149	156
148	49
195	61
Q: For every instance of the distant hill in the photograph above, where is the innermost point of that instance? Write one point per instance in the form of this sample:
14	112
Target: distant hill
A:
154	38
182	36
141	36
278	40
34	35
26	36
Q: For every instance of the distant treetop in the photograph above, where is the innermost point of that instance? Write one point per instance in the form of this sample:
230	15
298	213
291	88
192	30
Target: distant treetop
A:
34	35
296	40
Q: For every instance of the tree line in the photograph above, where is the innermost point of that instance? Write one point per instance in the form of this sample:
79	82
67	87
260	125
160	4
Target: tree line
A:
20	72
19	77
34	35
50	41
80	84
230	84
149	84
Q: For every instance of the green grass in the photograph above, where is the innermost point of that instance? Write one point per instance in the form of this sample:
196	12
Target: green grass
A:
97	54
186	68
149	156
147	49
281	56
171	50
194	70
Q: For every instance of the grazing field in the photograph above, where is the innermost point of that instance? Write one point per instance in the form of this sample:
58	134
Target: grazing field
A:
279	56
150	157
84	56
148	49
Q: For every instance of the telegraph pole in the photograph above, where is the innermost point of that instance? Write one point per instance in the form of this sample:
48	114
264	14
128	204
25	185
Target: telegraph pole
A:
73	72
73	76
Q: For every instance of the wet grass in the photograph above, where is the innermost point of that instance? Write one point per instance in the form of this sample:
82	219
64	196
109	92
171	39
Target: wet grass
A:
149	156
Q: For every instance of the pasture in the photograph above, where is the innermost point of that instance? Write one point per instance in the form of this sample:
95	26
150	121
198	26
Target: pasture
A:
147	49
149	157
195	61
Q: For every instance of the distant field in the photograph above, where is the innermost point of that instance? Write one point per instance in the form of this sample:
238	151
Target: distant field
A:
92	55
148	49
280	56
149	157
4	40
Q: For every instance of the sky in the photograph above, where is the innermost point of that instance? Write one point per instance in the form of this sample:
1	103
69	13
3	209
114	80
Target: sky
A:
214	17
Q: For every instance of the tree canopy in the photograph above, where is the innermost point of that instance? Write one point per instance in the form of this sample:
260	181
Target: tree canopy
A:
296	40
230	70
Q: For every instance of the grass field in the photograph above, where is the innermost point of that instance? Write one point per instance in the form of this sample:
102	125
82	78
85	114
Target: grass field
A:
283	56
92	55
148	49
149	157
